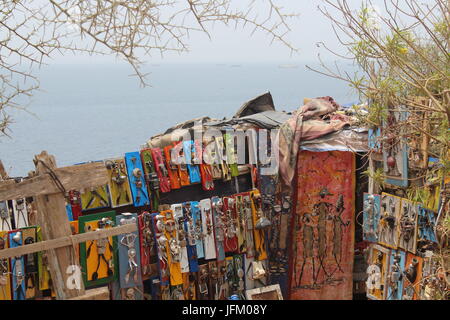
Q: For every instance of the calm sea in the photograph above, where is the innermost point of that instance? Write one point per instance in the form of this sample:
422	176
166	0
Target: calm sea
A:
95	112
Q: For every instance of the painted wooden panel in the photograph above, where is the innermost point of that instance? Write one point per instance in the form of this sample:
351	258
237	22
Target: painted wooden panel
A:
389	220
148	249
209	242
177	210
407	226
323	226
377	272
198	228
172	169
5	269
161	170
17	267
191	157
395	275
5	217
136	179
371	216
412	277
118	183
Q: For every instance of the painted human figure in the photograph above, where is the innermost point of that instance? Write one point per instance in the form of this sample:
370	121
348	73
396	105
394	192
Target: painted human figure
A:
308	226
338	225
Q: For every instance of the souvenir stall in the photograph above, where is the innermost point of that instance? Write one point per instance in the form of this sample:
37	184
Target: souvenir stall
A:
184	218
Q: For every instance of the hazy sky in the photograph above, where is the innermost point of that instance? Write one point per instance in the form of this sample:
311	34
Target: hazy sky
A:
229	45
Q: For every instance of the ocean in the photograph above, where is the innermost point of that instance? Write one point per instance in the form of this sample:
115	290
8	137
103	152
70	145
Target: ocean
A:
94	112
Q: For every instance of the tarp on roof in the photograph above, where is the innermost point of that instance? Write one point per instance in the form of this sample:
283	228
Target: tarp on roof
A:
354	140
267	119
259	104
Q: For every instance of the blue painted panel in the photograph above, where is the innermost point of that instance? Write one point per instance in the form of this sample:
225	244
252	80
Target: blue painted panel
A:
197	217
69	212
129	277
373	138
189	228
136	179
426	224
194	170
17	267
371	216
395	276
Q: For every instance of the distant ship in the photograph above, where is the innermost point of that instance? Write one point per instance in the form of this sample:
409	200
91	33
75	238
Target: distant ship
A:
236	66
288	66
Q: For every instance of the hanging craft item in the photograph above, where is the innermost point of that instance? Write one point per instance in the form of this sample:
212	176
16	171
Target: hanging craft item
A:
182	168
95	198
208	229
377	272
192	161
238	284
17	267
119	186
162	249
137	180
219	227
241	223
29	236
151	177
129	254
196	229
231	225
203	282
75	204
248	216
389	220
321	256
5	217
371	216
213	280
220	149
426	238
172	169
211	157
395	275
231	154
395	149
98	257
132	293
181	236
230	276
148	249
407	226
260	223
222	280
250	283
189	286
161	170
173	247
278	240
191	243
5	270
205	169
43	266
412	277
20	213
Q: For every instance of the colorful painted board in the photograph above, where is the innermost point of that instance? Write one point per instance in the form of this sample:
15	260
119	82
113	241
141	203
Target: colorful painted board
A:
241	223
173	248
205	169
161	170
5	217
20	213
75	204
191	157
17	267
248	216
408	226
129	253
426	238
220	150
137	180
231	154
219	227
395	150
98	257
412	277
29	236
151	177
395	275
148	249
231	225
323	227
377	272
5	269
183	174
43	267
162	244
198	229
209	242
95	198
259	234
178	217
191	244
389	220
118	183
172	169
371	216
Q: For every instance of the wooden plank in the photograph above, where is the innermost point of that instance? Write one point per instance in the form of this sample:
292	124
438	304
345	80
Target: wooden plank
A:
77	177
94	294
52	217
3	174
66	241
